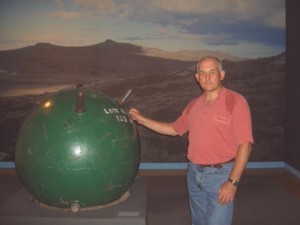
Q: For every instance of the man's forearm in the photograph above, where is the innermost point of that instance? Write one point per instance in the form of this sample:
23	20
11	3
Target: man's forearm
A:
159	127
241	159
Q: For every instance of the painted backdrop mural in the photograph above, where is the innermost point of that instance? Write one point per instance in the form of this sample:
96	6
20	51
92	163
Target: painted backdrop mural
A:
151	47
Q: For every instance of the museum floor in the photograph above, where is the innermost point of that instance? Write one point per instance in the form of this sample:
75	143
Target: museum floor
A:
265	197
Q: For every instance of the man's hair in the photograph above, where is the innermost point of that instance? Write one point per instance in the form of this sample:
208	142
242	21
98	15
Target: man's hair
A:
220	66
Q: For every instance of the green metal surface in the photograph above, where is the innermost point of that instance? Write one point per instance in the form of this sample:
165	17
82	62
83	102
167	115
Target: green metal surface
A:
65	157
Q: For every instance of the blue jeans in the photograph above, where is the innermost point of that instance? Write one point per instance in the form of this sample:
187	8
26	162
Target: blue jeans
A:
203	186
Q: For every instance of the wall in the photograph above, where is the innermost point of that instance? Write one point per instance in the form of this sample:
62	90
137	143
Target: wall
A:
292	133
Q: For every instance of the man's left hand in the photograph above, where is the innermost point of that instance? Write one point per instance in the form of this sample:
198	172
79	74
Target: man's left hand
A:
226	193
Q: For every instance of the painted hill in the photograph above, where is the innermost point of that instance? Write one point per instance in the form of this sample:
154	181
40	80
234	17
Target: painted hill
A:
161	89
57	64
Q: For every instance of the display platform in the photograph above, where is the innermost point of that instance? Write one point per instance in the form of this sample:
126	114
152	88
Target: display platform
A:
19	209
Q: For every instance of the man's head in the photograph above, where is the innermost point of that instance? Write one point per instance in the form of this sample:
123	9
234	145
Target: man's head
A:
210	74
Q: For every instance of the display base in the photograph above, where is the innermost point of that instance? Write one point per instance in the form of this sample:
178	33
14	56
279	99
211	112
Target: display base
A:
19	209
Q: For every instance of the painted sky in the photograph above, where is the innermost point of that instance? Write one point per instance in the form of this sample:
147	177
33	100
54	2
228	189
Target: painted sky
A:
246	28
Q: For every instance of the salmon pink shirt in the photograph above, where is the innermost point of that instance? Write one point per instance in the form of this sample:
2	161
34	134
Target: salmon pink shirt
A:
215	129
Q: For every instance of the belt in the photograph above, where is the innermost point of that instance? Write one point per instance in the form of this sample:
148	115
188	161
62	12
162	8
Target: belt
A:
218	165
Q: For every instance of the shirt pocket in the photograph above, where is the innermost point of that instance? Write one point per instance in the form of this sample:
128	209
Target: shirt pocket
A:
221	124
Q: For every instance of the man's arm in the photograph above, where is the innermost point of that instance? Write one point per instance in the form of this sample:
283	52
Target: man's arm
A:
228	190
157	126
241	159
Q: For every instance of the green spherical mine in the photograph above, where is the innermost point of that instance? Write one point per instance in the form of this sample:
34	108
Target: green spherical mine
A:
77	147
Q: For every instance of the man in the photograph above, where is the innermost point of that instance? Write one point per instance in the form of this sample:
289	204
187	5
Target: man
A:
220	139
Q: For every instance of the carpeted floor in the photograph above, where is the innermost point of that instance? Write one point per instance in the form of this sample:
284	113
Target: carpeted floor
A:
265	197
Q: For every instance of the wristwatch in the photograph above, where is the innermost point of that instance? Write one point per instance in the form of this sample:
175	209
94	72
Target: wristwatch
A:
233	182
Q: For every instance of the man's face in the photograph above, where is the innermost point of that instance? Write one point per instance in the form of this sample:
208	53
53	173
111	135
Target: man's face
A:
209	76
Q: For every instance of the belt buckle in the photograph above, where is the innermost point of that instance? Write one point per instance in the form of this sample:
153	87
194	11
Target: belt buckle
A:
217	166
